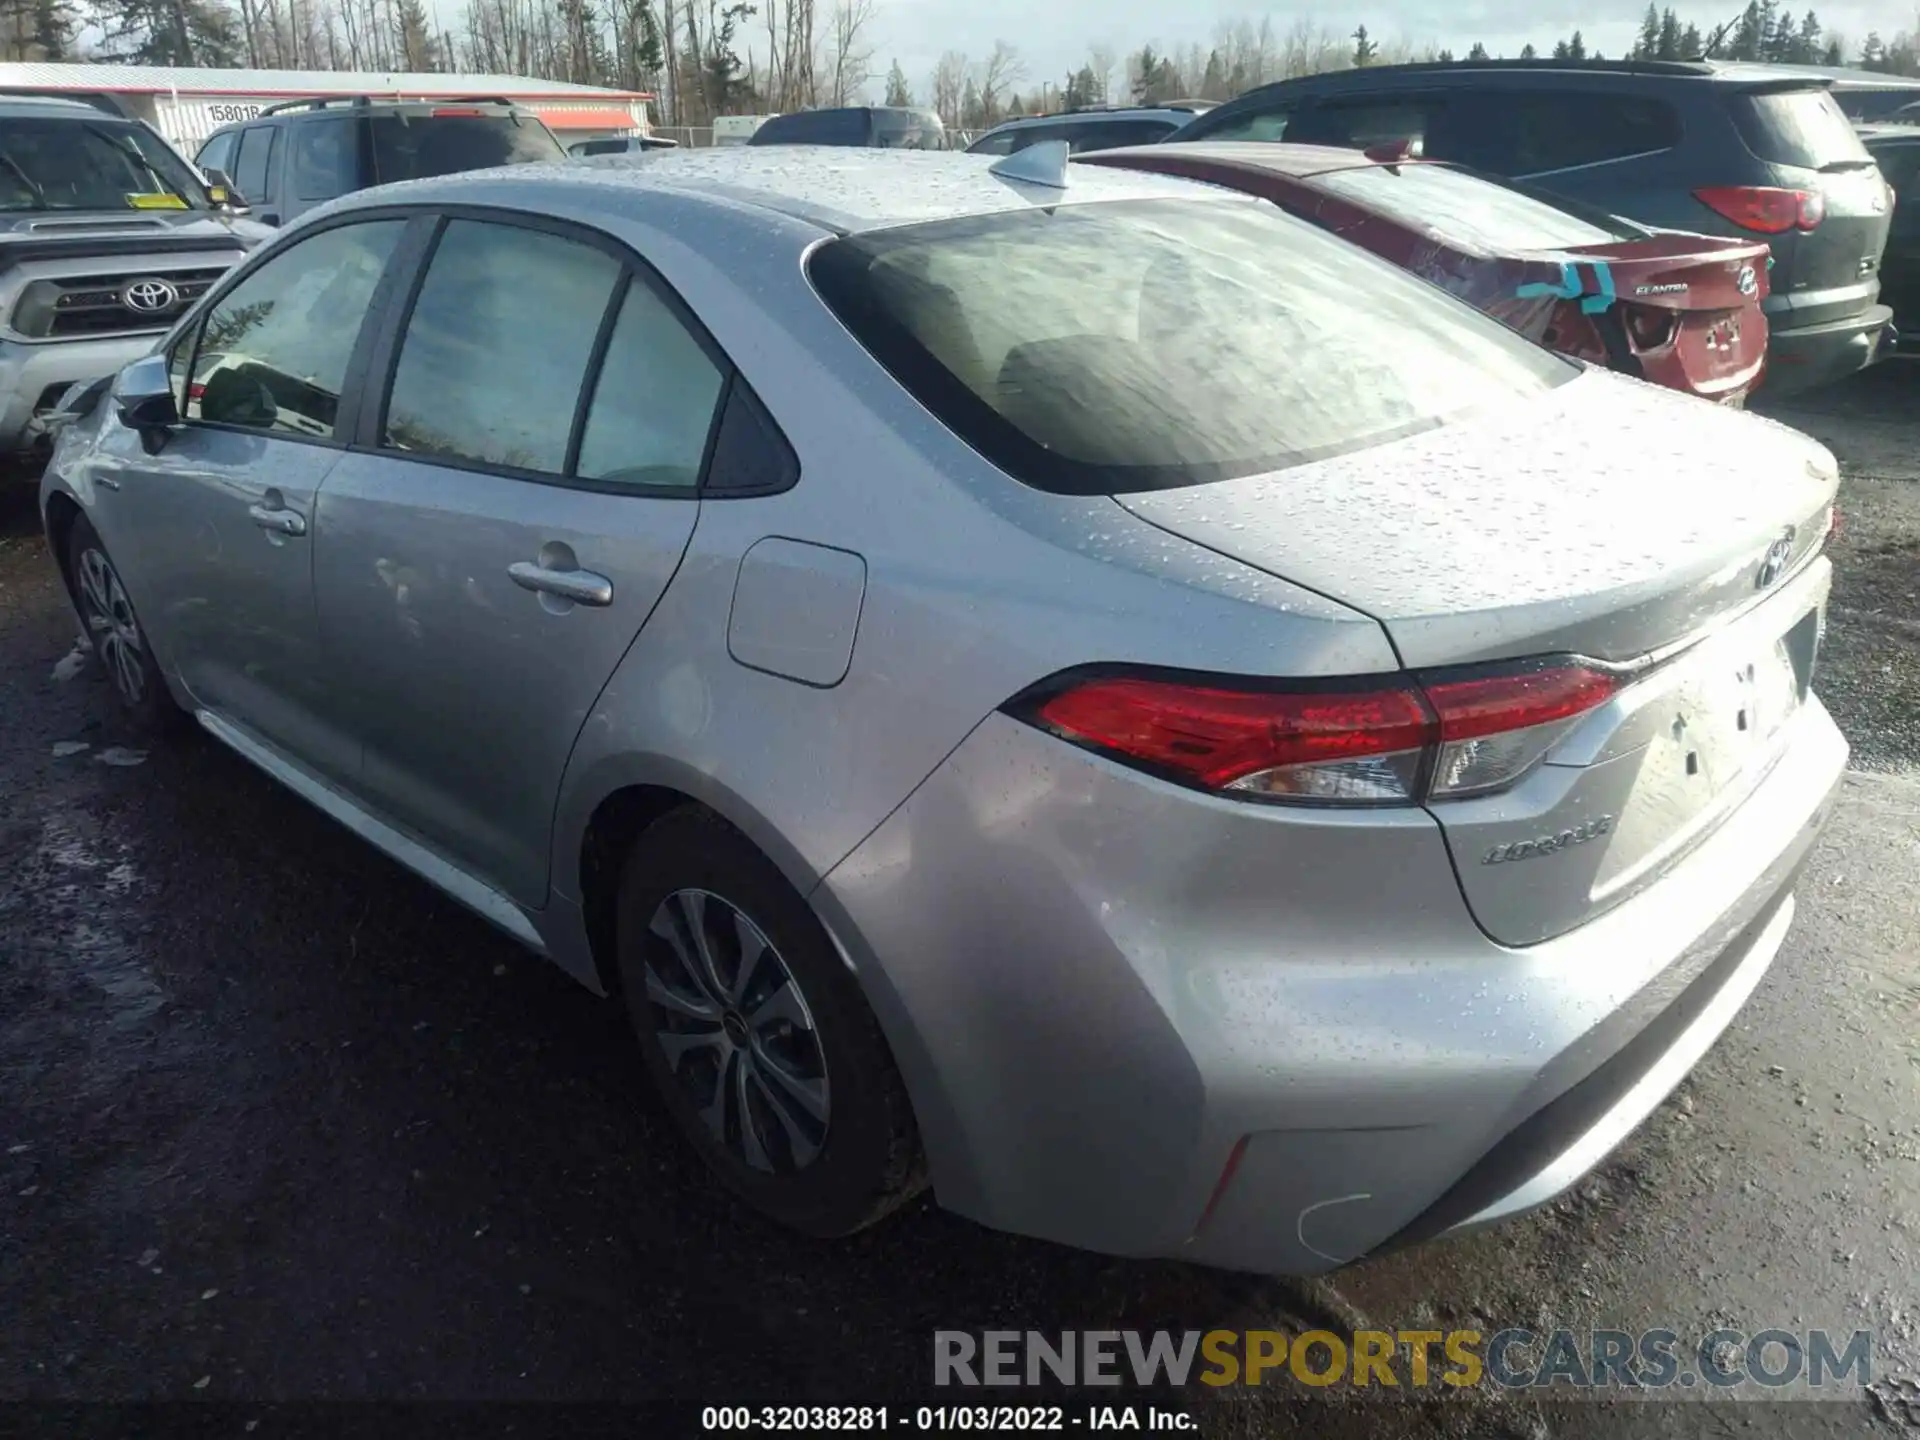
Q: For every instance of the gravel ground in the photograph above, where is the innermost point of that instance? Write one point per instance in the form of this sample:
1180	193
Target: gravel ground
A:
277	1122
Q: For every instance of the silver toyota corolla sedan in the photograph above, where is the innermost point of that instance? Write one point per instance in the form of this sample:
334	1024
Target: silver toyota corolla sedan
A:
1083	690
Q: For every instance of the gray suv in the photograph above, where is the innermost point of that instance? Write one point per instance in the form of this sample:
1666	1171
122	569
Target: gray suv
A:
1710	147
106	237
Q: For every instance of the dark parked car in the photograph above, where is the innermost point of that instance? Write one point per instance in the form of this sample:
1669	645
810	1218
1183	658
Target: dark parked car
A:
1896	149
1681	310
1864	95
874	127
1104	128
296	155
1722	149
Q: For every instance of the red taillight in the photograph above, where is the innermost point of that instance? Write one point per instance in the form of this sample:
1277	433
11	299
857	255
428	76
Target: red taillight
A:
1391	742
1765	209
1496	728
196	391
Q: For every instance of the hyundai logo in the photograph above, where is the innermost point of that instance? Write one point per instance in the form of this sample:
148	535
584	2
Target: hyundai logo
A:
149	296
1747	281
1775	563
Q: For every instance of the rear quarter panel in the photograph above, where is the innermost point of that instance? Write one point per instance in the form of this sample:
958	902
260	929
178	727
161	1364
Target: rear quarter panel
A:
976	586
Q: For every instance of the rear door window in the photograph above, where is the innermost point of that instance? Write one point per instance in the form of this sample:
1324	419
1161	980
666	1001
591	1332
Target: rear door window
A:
908	130
1269	125
1477	213
654	401
1805	129
1527	132
496	350
1114	347
253	165
1372	120
1112	134
416	146
1001	144
324	158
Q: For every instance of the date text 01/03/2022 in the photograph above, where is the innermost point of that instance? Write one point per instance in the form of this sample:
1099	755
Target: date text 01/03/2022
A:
987	1419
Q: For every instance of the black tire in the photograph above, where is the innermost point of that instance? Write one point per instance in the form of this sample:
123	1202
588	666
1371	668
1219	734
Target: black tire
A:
866	1157
119	642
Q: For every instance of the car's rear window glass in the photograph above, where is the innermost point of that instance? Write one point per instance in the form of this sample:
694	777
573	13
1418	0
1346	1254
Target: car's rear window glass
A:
1465	209
908	130
414	147
1803	128
1114	347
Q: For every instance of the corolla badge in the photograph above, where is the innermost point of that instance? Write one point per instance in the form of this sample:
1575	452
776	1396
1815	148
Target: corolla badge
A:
1775	563
1747	282
149	296
1549	844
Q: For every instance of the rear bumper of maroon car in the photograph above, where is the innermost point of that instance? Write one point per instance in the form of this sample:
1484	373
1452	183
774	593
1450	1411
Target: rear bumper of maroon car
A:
1813	355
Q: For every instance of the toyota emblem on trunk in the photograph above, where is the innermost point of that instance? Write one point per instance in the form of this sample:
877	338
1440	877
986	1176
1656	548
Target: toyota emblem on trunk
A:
1746	280
148	296
1778	554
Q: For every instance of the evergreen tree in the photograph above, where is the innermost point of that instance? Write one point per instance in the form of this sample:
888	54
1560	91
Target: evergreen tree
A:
899	92
1363	48
1576	47
1445	57
1648	45
1692	47
1873	51
1527	52
1831	55
1478	52
1562	50
1807	46
1668	47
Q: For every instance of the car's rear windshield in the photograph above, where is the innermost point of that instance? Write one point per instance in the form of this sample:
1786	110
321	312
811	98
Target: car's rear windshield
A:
1465	209
414	147
1803	128
87	164
1113	347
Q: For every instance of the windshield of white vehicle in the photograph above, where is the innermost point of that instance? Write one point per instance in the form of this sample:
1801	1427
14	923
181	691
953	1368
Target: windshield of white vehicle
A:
88	164
1105	348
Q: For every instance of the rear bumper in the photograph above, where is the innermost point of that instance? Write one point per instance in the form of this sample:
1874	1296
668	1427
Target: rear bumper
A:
1100	988
1814	355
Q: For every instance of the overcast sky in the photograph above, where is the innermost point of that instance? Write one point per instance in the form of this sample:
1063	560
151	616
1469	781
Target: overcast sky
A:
1053	36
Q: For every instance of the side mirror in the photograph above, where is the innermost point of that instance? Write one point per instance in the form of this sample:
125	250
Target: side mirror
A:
143	399
224	193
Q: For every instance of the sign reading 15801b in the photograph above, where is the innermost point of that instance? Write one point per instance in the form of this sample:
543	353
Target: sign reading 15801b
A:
228	112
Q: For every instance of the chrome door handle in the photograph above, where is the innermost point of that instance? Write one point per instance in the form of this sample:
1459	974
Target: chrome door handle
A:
281	522
582	587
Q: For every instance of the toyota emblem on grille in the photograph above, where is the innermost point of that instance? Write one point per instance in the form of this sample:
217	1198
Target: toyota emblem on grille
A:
1747	280
1778	554
149	296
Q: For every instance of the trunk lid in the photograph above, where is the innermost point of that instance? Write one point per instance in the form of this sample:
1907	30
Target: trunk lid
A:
1684	311
1552	532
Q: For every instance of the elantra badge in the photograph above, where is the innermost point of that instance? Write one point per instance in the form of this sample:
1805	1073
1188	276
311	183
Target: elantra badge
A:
1549	844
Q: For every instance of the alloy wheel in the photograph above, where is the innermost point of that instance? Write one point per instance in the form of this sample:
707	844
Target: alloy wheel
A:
736	1032
111	625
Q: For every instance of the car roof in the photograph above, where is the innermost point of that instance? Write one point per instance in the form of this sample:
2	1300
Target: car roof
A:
18	107
1274	155
841	188
1728	72
1172	114
1891	134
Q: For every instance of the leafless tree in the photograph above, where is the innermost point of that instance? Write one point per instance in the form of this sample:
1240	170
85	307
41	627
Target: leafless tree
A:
1001	69
949	86
1101	60
848	63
